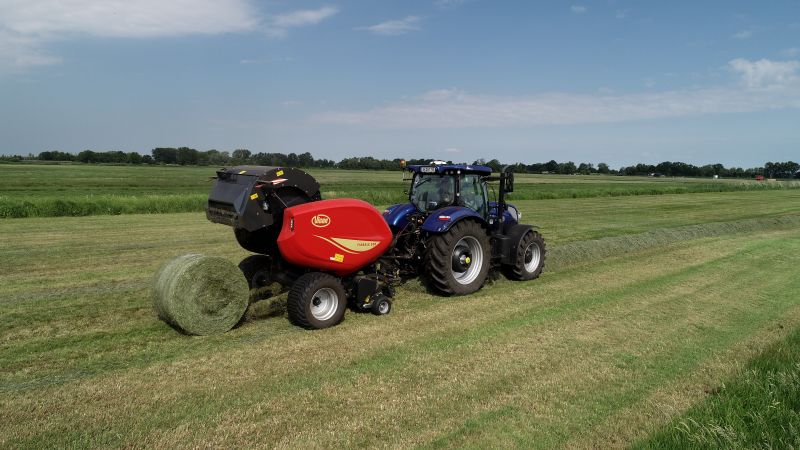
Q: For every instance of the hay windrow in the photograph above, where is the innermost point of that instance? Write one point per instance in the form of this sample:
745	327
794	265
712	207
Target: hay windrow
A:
562	256
200	294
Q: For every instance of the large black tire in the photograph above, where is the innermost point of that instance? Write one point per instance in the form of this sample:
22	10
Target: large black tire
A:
457	262
316	300
530	258
256	270
264	241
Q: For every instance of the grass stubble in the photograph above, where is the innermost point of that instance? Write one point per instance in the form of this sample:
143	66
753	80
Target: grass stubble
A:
601	351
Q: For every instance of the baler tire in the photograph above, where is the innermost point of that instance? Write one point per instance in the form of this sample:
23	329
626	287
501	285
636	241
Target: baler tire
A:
381	306
311	287
439	259
525	270
256	270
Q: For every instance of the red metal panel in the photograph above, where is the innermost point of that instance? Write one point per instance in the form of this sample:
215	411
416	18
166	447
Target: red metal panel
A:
339	236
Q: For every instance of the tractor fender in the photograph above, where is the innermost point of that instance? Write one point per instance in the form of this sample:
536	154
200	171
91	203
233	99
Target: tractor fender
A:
396	216
441	220
508	217
514	234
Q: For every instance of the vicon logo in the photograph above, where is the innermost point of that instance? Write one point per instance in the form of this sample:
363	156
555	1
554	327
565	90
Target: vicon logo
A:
320	221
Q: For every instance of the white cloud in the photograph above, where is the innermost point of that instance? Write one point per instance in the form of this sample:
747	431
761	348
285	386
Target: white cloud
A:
394	27
764	72
304	17
280	24
27	26
578	9
744	34
768	85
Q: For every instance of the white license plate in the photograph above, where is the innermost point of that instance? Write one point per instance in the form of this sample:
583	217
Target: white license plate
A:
427	169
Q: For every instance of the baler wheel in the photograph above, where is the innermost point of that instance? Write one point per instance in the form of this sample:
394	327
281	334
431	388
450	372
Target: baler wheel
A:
316	300
458	261
256	270
381	306
530	258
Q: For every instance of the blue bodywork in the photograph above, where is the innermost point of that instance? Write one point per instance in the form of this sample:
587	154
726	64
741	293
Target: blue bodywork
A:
442	219
397	215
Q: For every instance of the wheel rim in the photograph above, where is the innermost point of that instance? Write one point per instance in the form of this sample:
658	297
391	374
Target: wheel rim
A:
261	279
324	304
467	260
533	254
383	307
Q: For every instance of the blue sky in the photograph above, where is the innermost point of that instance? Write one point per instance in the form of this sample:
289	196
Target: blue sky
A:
597	81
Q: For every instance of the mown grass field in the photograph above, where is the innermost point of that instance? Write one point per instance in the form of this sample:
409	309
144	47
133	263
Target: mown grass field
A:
602	351
39	190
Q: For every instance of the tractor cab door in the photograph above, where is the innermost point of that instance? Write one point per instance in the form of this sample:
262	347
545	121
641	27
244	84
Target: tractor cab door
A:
473	194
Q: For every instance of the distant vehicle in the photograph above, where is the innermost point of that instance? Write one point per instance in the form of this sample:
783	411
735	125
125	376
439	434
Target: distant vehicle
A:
656	174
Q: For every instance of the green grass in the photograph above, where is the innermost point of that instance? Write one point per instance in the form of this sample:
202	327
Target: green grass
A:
759	408
82	190
595	353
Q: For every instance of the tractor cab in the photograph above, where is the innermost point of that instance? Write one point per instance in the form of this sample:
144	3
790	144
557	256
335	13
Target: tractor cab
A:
439	185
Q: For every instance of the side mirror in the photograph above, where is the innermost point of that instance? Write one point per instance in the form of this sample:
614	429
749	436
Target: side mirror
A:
509	181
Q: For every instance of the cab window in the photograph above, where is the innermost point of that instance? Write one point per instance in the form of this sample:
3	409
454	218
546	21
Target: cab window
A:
473	193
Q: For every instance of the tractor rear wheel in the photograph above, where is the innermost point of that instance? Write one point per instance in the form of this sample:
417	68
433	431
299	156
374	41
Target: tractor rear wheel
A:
316	300
530	258
458	261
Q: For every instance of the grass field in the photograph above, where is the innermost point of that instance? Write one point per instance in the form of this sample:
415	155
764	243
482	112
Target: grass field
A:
602	351
758	408
28	190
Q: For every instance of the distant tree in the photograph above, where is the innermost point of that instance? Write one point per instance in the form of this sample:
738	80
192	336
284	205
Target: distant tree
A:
241	154
551	166
567	168
134	158
186	155
494	164
603	168
305	160
87	156
165	155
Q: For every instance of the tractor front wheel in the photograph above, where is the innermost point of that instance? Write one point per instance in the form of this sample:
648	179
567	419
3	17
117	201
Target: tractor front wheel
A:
530	258
458	261
316	300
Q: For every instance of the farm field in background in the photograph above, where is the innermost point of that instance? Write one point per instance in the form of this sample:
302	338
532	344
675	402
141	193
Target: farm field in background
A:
30	190
598	352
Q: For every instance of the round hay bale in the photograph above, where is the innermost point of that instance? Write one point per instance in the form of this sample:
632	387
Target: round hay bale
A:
200	294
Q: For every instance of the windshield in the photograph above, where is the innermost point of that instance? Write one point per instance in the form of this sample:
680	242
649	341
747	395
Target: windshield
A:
432	191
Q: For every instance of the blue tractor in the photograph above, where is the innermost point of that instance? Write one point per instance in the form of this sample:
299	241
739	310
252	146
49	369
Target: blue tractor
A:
451	234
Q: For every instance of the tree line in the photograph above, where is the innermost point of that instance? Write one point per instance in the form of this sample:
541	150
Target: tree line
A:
189	156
